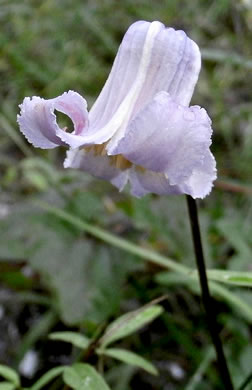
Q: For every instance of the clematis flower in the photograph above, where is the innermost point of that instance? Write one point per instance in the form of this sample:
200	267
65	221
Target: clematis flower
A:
141	129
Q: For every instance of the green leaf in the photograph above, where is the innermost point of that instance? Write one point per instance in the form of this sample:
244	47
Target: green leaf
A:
145	254
231	298
242	279
237	232
7	386
91	202
188	276
172	278
130	358
84	377
9	374
64	262
78	340
130	323
48	377
39	165
16	279
231	277
37	180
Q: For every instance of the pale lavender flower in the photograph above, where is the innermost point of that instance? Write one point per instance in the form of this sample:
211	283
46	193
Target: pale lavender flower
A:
141	128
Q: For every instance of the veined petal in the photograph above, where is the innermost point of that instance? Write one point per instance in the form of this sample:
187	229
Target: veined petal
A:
75	106
38	121
168	138
122	75
198	185
144	182
151	59
97	165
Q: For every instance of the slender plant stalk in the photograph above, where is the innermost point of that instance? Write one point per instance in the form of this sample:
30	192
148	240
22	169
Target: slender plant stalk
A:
206	298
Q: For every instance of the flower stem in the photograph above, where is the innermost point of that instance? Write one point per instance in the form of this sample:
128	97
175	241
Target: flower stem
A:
206	298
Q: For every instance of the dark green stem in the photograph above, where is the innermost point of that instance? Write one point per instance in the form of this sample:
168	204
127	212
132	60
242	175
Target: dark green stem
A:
206	298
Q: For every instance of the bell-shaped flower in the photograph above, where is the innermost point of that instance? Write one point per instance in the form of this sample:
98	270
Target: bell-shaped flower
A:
141	128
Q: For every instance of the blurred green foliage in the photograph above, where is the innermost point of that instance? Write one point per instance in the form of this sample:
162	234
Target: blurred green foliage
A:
62	278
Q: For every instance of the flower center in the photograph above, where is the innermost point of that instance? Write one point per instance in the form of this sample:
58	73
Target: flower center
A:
118	160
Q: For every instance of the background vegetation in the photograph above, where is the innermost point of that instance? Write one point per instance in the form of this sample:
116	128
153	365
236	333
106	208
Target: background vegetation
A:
54	276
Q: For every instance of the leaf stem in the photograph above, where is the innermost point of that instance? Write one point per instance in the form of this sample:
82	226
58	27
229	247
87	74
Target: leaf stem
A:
246	382
115	241
206	297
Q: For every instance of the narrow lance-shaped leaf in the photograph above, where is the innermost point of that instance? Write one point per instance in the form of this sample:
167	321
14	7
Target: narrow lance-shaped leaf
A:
129	357
231	277
242	279
7	386
130	323
48	377
76	339
231	298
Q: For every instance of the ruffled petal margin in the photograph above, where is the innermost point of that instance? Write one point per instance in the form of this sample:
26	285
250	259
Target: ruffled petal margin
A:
38	121
198	185
172	140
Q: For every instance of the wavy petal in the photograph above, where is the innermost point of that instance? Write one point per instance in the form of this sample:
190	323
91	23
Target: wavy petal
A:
38	121
168	138
200	183
144	182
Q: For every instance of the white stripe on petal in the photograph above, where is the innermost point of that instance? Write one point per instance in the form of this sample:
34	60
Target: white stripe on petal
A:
151	59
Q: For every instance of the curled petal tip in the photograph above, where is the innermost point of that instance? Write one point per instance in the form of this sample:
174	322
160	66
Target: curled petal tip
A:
38	122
